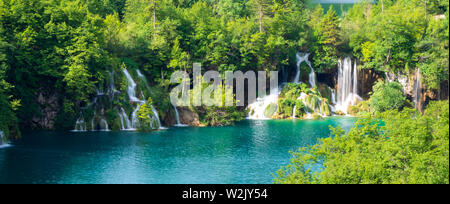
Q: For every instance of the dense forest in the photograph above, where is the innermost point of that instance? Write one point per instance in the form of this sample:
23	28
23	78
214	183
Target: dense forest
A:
57	56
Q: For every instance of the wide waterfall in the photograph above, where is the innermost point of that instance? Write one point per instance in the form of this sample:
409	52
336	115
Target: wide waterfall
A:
259	107
105	100
347	92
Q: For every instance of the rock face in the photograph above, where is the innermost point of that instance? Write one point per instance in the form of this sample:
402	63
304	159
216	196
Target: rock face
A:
169	118
188	117
48	108
366	80
413	88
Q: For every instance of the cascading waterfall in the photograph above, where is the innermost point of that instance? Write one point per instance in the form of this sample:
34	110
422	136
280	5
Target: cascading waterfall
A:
304	57
125	121
156	119
303	97
347	93
132	95
134	118
131	87
177	117
103	123
258	108
80	125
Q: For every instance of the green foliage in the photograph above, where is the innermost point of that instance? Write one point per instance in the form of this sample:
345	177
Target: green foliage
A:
326	38
145	115
400	36
391	147
270	110
387	96
67	47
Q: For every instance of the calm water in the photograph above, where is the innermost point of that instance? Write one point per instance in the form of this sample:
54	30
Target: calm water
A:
246	153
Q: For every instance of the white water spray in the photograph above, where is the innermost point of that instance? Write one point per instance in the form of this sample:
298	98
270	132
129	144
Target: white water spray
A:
347	93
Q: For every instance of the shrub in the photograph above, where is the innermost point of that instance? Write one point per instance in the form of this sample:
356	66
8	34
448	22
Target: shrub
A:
383	148
387	96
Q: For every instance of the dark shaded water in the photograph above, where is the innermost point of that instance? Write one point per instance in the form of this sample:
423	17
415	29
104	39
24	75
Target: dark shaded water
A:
246	153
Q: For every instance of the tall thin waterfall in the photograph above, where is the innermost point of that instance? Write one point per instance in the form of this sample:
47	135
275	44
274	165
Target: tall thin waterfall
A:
103	123
2	139
294	112
300	58
347	93
417	89
177	117
312	78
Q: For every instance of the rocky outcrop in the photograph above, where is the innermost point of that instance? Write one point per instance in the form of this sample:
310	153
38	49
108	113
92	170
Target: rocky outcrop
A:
48	108
366	80
414	89
188	117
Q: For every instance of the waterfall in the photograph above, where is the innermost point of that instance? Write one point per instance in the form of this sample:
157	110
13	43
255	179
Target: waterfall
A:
134	118
302	98
111	87
258	108
103	123
347	93
177	117
125	120
80	125
156	118
300	59
417	89
293	112
142	77
131	87
2	139
303	57
312	77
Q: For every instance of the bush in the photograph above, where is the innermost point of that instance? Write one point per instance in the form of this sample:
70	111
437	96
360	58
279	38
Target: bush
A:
387	96
390	147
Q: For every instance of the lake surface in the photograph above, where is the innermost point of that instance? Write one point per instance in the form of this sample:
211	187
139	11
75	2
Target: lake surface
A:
248	152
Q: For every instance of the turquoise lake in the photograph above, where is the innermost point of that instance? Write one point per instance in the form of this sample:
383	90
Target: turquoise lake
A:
246	153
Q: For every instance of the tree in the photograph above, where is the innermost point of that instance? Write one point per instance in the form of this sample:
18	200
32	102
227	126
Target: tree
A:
326	38
389	148
387	96
261	8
